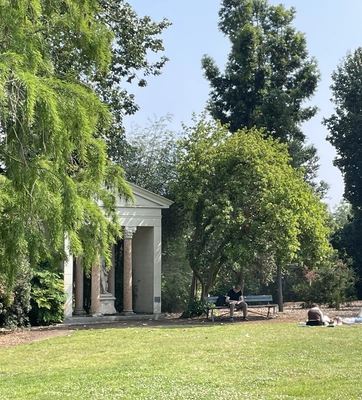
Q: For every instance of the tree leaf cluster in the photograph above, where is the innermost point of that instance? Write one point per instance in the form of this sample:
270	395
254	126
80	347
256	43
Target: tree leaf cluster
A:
344	125
137	53
268	76
345	135
150	156
55	172
244	200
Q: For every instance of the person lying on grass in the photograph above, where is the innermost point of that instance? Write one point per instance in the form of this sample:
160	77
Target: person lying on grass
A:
350	320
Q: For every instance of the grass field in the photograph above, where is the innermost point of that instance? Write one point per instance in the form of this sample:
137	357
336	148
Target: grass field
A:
232	361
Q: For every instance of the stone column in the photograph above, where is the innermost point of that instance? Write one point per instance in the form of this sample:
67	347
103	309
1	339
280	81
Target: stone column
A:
127	269
157	271
111	273
95	289
79	287
68	280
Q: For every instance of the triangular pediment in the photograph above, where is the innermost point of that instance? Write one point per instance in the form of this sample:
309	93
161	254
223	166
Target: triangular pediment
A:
144	199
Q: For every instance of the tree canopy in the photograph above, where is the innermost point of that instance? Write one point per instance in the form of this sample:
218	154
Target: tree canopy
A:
55	173
150	157
134	39
344	125
345	134
268	76
243	200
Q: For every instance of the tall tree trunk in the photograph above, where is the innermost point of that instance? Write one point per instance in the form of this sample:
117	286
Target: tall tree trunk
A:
241	279
193	289
214	267
279	287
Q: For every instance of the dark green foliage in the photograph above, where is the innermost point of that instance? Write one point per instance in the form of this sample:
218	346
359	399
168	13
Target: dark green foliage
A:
345	134
53	168
268	76
229	275
195	308
175	288
345	129
47	298
347	240
15	304
176	272
176	277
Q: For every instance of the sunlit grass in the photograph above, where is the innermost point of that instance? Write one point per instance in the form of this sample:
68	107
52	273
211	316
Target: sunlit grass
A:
232	361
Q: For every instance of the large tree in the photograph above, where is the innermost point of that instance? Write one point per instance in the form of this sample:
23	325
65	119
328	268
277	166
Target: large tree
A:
345	131
55	174
345	134
243	200
268	76
135	38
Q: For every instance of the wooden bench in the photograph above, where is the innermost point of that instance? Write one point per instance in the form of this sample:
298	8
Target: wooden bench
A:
254	302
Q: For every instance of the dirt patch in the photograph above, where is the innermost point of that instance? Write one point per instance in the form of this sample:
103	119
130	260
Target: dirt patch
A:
292	313
24	336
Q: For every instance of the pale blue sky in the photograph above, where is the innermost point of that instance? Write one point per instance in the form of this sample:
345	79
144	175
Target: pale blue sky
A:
332	28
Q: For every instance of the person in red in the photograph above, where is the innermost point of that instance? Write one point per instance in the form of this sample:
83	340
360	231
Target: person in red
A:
236	301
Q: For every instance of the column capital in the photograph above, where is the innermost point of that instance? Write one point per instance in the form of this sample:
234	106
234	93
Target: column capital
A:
128	231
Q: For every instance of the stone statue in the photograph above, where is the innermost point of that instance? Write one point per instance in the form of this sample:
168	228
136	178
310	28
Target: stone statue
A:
104	278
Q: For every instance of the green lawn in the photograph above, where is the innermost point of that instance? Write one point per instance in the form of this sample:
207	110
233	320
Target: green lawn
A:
232	361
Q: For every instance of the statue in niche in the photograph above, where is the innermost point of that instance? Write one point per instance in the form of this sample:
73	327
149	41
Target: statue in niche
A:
104	278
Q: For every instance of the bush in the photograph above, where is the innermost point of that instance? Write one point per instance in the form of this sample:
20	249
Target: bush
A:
331	284
15	303
47	298
195	308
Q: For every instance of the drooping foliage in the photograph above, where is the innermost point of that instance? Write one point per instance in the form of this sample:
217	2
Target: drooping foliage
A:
53	168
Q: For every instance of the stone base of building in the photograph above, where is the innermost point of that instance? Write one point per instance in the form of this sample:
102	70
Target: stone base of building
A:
127	313
96	319
107	304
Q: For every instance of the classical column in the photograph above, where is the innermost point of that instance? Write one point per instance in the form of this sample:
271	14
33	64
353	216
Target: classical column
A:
111	273
68	280
79	287
95	289
127	269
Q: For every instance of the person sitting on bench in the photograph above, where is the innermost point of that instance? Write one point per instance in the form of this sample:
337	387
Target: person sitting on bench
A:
316	316
235	300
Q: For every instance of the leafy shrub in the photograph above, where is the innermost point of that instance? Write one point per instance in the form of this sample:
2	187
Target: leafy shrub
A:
195	308
330	284
15	303
47	298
